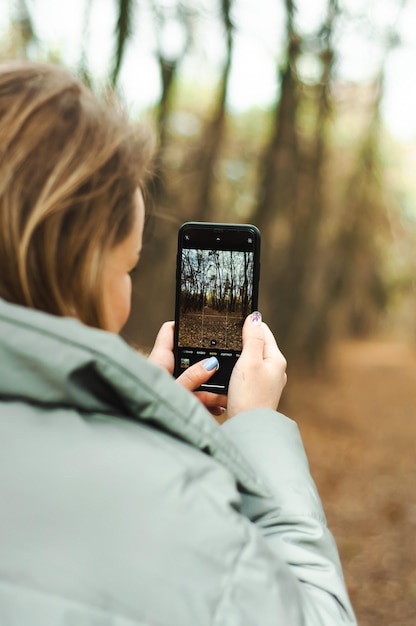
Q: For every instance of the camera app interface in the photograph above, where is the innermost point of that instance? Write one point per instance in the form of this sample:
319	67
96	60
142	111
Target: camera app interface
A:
216	295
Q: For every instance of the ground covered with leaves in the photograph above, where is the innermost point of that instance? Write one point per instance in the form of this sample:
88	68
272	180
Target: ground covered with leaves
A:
358	422
211	329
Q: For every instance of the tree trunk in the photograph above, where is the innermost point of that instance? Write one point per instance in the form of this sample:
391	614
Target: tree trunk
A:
214	131
24	26
305	255
123	32
275	213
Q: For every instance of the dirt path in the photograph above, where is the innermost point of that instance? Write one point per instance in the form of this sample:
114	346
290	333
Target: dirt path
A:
358	422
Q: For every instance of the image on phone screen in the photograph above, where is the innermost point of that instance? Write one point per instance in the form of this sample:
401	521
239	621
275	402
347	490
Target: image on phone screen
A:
216	290
216	296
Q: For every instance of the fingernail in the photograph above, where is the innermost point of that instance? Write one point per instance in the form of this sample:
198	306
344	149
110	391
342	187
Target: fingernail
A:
256	318
211	364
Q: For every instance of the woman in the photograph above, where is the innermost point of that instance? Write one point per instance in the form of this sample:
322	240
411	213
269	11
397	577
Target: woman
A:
123	501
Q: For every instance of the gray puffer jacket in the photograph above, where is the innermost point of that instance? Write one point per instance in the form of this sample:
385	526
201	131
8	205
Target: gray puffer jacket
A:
123	503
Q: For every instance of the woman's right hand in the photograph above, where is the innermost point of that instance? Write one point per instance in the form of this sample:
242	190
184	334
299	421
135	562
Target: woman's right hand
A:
259	376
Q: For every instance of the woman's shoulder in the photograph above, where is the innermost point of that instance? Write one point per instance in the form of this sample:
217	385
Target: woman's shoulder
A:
56	361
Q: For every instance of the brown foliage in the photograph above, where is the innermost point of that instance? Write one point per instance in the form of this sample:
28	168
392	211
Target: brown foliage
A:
359	428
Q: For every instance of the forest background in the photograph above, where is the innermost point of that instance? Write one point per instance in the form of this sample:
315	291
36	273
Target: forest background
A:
295	116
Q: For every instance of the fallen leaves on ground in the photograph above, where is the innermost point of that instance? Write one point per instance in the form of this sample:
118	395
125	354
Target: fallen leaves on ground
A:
358	423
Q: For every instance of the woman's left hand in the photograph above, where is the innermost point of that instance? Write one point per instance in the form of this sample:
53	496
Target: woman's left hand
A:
193	376
162	353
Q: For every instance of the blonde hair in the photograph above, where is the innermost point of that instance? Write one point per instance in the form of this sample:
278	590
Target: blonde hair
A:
69	168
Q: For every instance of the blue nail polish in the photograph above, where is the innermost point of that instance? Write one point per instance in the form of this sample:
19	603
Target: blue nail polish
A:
211	364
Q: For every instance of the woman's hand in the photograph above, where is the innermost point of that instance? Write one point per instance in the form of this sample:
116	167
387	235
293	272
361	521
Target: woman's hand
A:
193	377
162	353
259	375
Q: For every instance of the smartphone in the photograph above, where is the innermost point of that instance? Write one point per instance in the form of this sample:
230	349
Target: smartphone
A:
217	282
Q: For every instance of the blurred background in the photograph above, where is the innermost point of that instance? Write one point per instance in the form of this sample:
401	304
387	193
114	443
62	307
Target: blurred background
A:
298	117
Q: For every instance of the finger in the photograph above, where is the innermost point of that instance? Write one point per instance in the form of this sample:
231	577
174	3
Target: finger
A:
164	337
209	399
253	337
272	352
162	352
271	349
194	376
217	411
215	403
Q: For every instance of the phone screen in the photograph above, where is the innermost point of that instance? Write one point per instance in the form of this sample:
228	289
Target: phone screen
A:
217	287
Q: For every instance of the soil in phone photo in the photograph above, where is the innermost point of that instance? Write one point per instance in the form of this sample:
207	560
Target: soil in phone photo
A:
210	329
